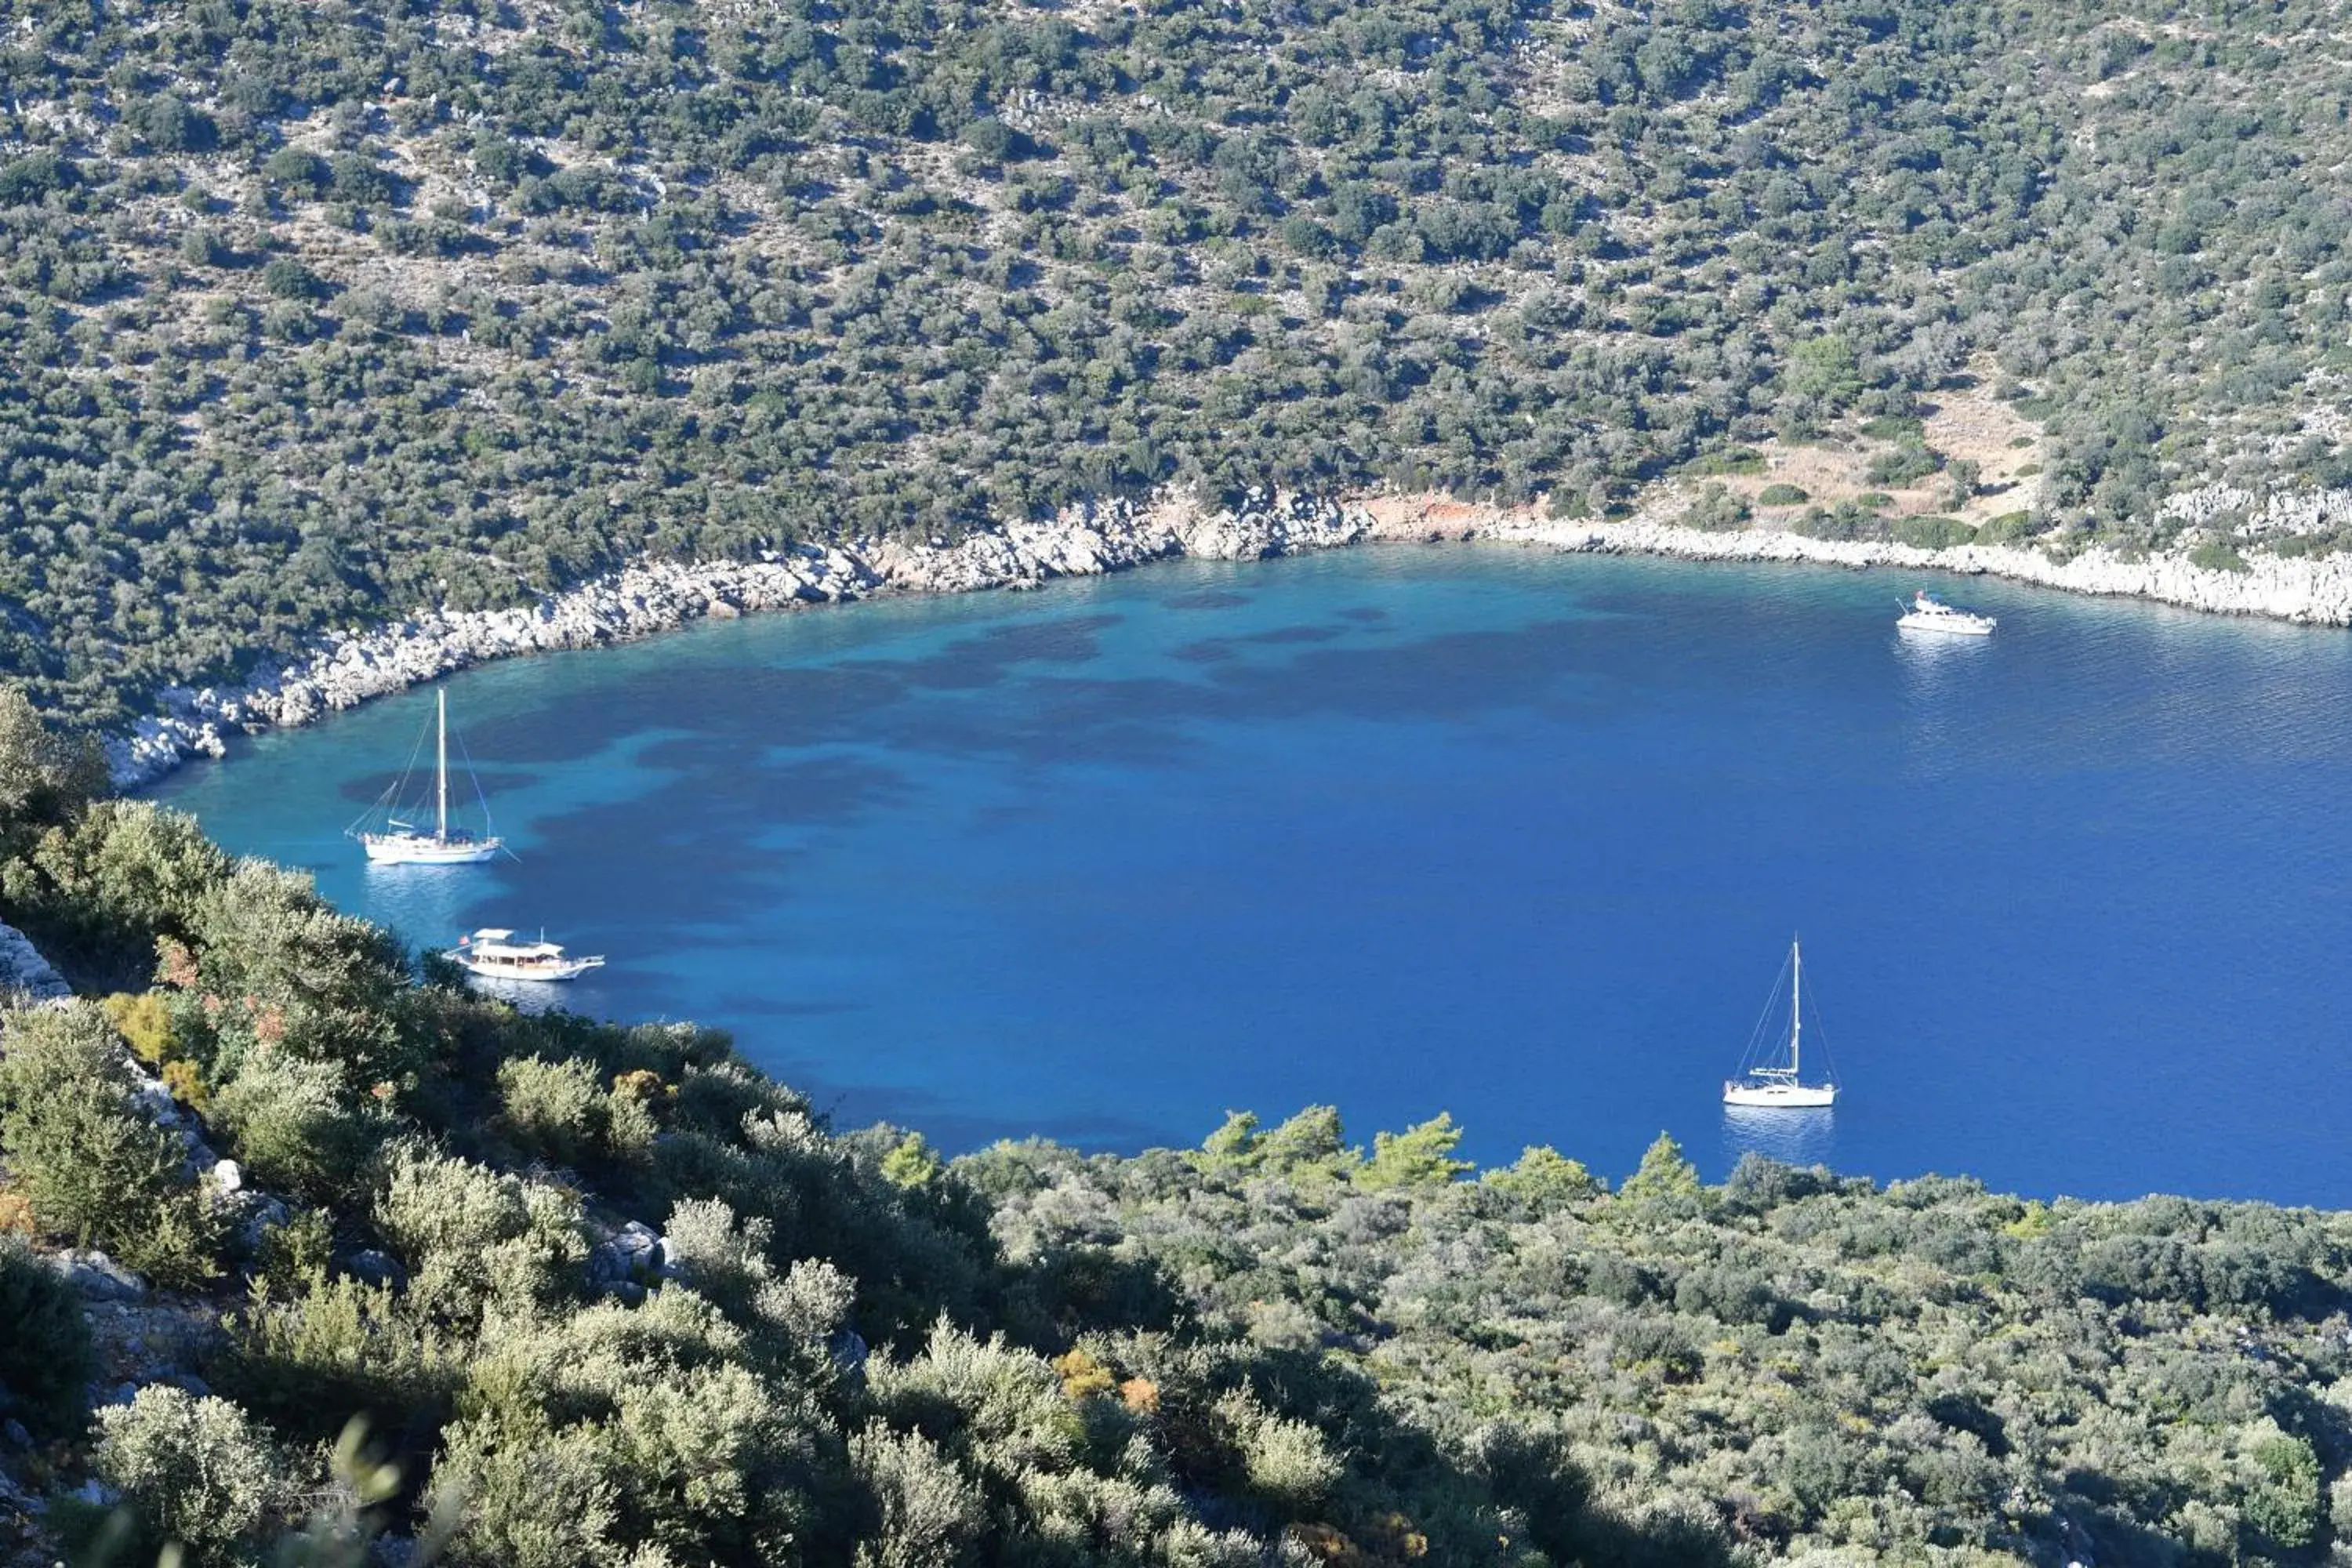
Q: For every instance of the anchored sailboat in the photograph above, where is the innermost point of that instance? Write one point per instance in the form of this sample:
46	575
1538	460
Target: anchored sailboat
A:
402	844
1764	1080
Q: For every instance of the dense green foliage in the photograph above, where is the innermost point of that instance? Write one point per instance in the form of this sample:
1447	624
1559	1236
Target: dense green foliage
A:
1789	1362
1277	1348
311	309
45	1354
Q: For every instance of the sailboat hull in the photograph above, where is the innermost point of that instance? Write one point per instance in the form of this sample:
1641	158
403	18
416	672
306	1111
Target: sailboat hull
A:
418	849
1780	1096
402	844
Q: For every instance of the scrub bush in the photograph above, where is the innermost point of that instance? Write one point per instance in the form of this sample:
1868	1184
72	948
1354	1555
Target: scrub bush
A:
928	1513
340	1348
295	1126
195	1471
45	1351
97	1169
471	1235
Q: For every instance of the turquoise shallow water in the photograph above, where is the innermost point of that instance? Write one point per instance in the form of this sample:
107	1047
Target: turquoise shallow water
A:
1516	835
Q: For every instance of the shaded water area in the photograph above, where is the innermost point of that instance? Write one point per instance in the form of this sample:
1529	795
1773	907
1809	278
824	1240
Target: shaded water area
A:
1514	835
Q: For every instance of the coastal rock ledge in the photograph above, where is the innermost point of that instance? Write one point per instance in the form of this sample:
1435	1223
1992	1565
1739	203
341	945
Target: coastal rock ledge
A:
349	667
24	973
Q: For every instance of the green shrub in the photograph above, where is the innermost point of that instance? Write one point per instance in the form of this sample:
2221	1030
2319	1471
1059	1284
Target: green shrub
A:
2009	527
29	179
530	1495
913	1162
1665	1173
1849	520
1893	427
144	1022
1419	1156
195	1471
993	1405
1288	1463
2218	556
1309	1144
170	125
929	1514
471	1234
1782	494
45	1354
296	167
1735	460
46	776
1543	1177
653	1431
1930	531
1716	511
287	279
554	1109
101	891
95	1169
726	1260
203	247
338	1350
2285	1501
1903	465
337	984
294	1124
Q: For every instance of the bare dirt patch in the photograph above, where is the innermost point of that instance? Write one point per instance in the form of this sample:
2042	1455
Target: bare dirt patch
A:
1961	424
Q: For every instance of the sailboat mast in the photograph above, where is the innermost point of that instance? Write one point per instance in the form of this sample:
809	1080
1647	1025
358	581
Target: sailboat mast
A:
1796	1008
441	765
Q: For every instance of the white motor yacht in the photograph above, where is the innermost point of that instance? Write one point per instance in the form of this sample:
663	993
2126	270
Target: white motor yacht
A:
1926	613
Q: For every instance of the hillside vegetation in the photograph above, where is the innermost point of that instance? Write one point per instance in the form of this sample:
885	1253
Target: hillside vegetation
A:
311	310
427	1308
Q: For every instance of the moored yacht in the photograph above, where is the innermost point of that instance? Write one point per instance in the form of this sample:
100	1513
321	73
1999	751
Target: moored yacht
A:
1766	1082
495	954
1926	613
398	843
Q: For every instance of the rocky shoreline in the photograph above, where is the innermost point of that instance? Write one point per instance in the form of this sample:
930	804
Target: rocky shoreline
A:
348	669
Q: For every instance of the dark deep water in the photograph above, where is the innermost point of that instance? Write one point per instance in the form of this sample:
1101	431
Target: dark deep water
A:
1513	834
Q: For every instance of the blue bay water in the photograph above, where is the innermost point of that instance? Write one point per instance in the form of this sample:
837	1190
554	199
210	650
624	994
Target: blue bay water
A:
1516	835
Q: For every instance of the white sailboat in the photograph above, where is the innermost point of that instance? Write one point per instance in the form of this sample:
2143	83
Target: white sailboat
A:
402	844
495	954
1769	1083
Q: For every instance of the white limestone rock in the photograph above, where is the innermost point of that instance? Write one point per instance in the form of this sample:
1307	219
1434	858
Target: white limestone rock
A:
98	1277
1090	538
24	971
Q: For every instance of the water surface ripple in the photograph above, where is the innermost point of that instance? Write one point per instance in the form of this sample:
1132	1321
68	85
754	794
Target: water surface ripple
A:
1518	835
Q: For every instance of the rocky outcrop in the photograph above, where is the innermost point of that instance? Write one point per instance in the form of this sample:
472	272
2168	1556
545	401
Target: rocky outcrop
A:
98	1277
624	1260
2316	591
25	972
347	668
